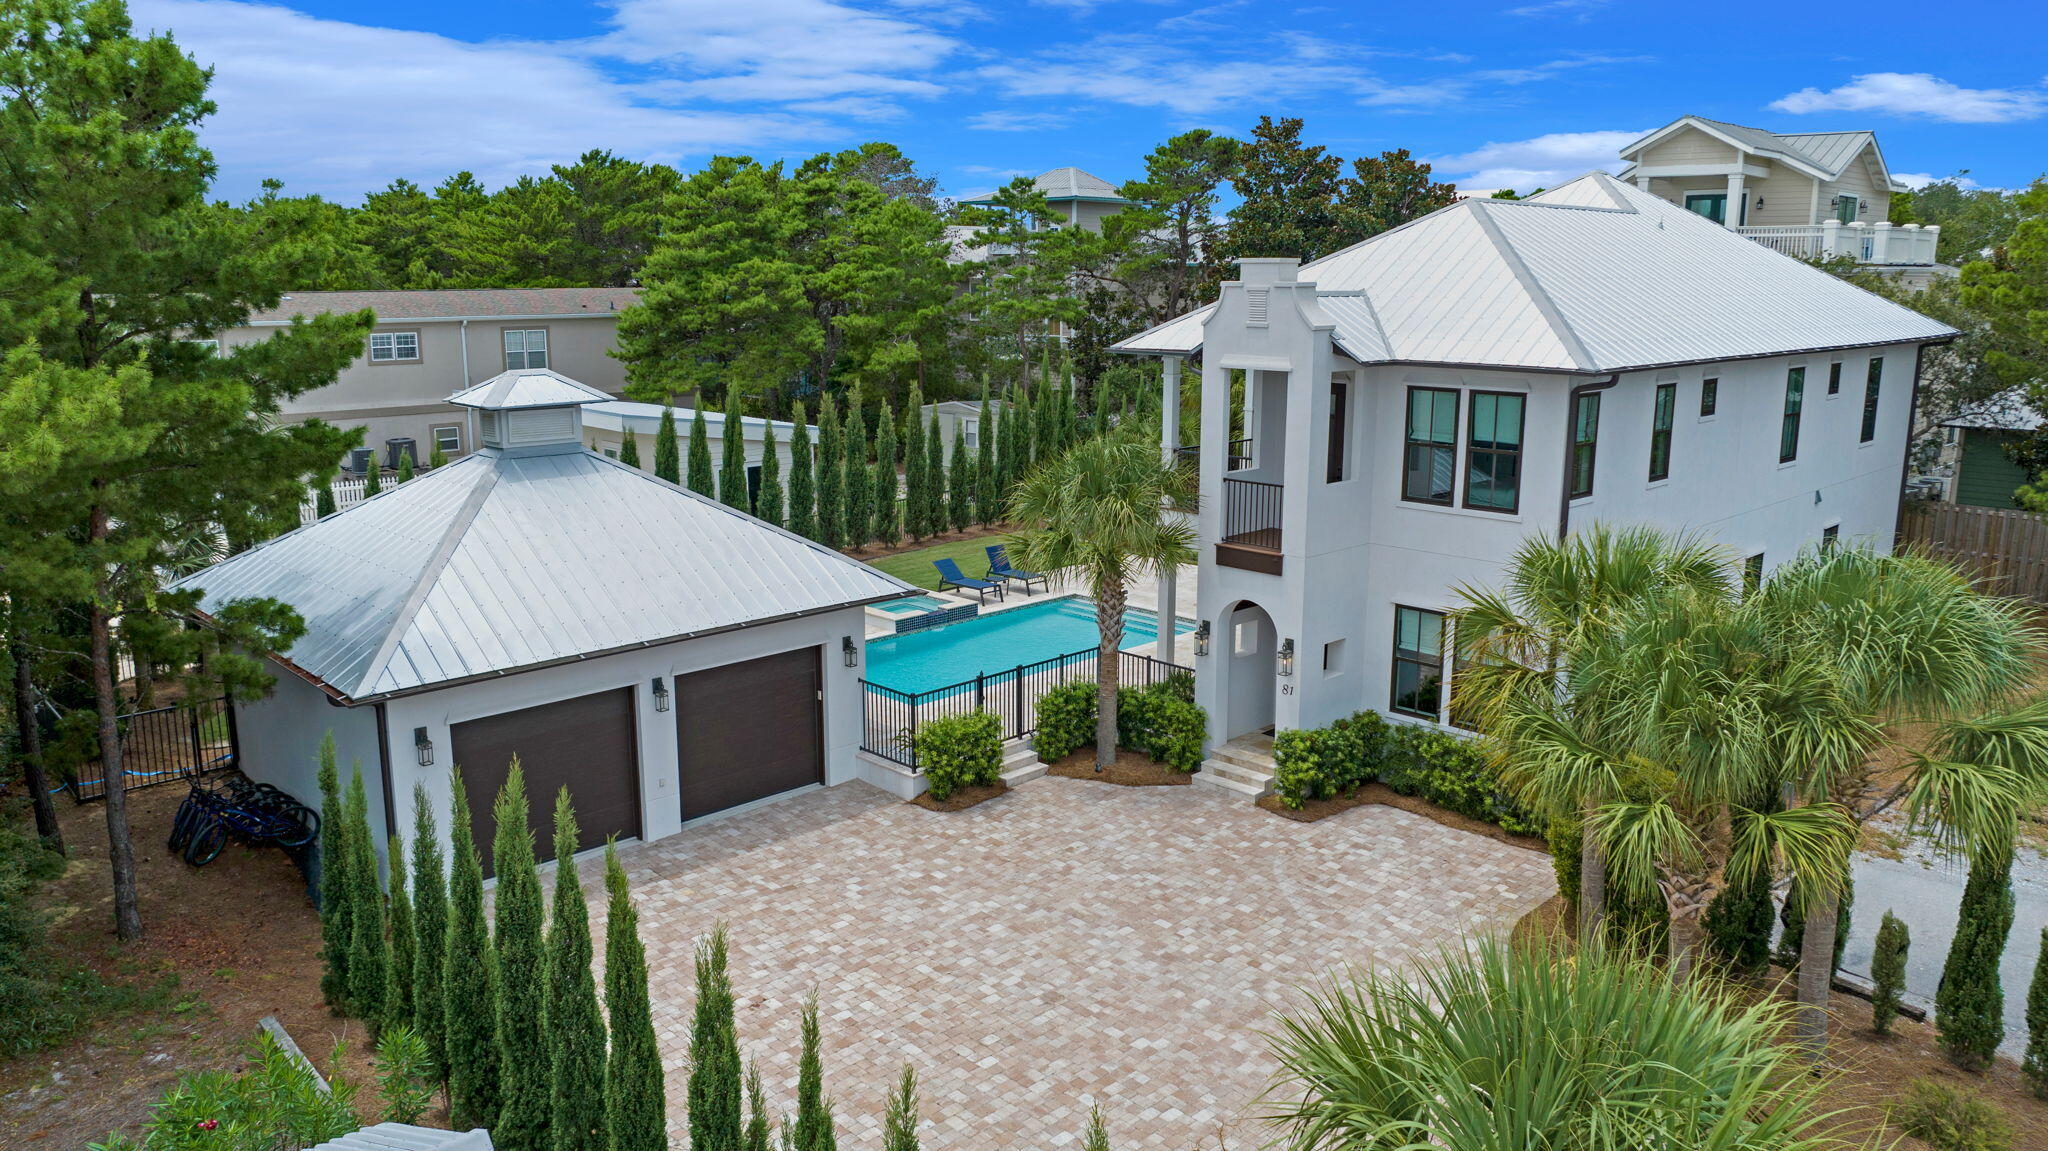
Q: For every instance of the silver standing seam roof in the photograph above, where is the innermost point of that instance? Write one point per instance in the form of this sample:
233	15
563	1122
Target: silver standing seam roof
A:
528	388
1593	276
505	561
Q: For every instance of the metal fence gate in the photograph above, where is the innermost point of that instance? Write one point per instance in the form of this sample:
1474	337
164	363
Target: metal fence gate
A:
164	745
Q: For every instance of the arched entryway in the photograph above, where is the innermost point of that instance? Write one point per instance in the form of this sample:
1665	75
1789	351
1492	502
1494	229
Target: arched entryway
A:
1250	646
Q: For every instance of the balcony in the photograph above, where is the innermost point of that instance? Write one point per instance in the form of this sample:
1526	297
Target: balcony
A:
1864	243
1239	459
1251	526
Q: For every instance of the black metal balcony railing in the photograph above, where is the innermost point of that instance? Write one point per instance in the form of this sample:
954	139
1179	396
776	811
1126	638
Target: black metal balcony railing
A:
1251	513
1239	459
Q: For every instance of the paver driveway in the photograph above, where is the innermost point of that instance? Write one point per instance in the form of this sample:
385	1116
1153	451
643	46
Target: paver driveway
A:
1068	944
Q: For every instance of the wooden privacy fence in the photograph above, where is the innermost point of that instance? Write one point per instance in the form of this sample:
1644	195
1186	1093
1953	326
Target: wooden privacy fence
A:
2004	549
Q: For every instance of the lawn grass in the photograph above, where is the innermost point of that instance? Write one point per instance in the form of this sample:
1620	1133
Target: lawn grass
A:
916	566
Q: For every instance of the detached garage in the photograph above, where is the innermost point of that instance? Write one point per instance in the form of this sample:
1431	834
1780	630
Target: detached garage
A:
664	657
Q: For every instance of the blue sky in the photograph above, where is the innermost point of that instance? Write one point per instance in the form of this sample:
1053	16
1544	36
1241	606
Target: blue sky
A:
339	98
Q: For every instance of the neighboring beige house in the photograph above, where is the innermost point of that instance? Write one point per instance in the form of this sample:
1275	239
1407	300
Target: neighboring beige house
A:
428	345
1805	194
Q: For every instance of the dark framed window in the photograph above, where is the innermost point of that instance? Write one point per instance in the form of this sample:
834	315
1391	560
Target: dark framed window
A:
1788	428
1585	441
1335	469
1660	431
1430	466
1871	382
1418	662
1493	451
1752	574
1710	395
1829	536
1835	378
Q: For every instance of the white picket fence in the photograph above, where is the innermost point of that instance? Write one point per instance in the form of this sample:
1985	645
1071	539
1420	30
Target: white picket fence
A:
348	492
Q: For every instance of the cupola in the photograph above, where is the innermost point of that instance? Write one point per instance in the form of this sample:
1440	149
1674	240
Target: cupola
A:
529	409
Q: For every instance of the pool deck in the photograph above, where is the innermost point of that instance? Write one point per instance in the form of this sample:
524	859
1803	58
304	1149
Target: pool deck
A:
1144	593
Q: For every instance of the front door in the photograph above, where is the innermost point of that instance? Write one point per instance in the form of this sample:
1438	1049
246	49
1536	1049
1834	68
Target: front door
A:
1712	205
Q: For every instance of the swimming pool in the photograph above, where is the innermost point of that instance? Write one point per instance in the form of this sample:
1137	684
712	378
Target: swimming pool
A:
955	652
911	604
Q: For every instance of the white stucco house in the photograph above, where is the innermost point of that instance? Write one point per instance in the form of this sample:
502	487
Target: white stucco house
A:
1419	404
666	657
606	426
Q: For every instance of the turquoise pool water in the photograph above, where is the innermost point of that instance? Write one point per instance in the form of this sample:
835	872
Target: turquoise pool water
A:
955	652
916	603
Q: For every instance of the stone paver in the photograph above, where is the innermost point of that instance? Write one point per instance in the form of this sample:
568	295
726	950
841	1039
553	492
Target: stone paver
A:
1065	945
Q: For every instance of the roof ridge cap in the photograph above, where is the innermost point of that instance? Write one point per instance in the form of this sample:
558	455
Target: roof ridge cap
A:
1559	326
458	526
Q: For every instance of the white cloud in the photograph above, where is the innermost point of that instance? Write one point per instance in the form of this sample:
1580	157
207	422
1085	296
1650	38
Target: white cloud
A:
1571	9
1016	121
1919	180
1164	72
1920	94
776	49
1542	161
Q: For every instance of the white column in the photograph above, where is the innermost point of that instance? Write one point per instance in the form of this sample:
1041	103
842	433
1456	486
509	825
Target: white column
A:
1737	196
1643	182
1813	206
1169	447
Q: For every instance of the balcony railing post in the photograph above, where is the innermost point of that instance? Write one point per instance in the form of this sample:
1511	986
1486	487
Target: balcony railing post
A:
1830	238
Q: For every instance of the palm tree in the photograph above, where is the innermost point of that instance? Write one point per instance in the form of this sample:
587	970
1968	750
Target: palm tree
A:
1513	642
1099	508
1501	1048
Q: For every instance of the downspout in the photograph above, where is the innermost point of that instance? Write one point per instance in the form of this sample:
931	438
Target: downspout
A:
1564	488
469	419
384	767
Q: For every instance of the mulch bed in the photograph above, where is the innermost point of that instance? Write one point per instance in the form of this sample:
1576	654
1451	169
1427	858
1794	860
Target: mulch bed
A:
1315	809
1131	769
962	797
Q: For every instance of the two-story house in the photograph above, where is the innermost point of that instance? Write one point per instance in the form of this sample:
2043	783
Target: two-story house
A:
1414	407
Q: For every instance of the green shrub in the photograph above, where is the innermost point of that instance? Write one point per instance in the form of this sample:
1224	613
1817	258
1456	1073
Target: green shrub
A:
1327	761
960	751
1162	724
405	1074
1066	720
1949	1120
1453	772
275	1103
1888	972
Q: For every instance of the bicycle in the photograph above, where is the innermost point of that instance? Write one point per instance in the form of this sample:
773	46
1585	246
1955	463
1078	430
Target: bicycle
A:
249	811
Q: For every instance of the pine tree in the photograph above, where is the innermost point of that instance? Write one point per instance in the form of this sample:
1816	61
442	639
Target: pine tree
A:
831	471
989	485
373	481
899	1125
430	926
516	937
469	984
629	446
934	512
715	1119
813	1114
668	463
857	486
2034	1066
732	467
1969	1006
755	1138
323	500
335	888
1096	1138
961	485
701	480
635	1112
575	1027
1888	972
803	492
888	521
404	466
768	501
398	988
916	476
369	952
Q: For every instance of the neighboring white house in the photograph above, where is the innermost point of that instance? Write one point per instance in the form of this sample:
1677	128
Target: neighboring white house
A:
665	656
961	417
605	426
1421	403
1806	194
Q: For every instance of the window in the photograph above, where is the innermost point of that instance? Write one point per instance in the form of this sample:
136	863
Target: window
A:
388	347
1788	429
1829	535
1845	209
210	346
448	438
1431	467
1835	378
1418	661
1585	435
1244	638
1752	573
972	430
1660	431
1710	395
1493	452
526	348
1870	388
1333	657
1340	449
1712	205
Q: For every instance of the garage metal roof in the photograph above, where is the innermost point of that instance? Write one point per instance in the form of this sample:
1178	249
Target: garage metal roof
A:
506	561
1594	276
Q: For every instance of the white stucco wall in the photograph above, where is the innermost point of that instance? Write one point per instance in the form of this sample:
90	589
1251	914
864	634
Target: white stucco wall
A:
279	737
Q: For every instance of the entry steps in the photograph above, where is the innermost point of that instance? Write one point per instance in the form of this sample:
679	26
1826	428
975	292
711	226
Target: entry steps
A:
1243	766
1020	762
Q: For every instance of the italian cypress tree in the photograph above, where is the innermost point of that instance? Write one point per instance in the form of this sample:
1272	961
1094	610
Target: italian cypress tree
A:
857	486
1016	419
668	456
768	501
437	458
323	500
430	925
916	477
755	1138
1043	429
373	481
369	952
469	984
701	480
635	1112
1969	1006
335	889
516	938
1096	1138
732	467
934	512
715	1086
888	524
404	466
398	988
831	471
989	485
1888	972
961	485
1069	424
575	1027
899	1125
629	446
2034	1066
803	492
813	1114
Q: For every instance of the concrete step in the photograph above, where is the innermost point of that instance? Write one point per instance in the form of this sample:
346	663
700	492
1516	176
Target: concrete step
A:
1210	778
1251	759
1020	763
1236	773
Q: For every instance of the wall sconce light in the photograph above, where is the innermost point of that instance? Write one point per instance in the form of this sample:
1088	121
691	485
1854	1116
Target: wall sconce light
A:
660	695
848	652
1759	202
423	745
1286	657
1202	638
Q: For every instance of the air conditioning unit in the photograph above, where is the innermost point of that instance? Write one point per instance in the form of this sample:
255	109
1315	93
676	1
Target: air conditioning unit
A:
1926	488
400	448
359	461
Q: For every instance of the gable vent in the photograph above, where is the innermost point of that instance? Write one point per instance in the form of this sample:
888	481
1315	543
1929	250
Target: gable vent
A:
1255	306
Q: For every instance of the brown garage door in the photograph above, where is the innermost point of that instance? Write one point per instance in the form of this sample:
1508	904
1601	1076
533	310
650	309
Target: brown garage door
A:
586	743
749	730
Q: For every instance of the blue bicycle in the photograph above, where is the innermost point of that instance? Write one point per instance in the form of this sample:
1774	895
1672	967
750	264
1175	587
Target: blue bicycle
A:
249	811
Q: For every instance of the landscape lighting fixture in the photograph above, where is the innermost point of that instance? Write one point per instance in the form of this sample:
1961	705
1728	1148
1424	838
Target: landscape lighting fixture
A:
1286	657
660	695
424	746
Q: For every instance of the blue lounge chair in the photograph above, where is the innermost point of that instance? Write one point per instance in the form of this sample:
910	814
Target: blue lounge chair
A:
999	568
951	576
